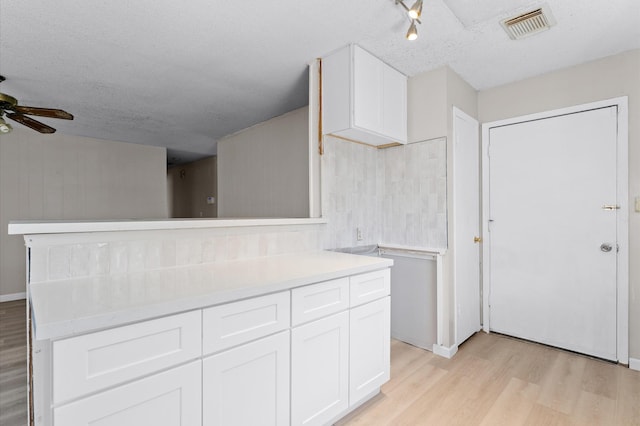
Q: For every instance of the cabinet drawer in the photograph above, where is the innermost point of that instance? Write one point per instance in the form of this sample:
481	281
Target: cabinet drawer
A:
98	360
370	286
319	300
235	323
169	398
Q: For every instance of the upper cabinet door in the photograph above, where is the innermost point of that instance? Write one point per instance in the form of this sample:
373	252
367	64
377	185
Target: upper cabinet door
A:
367	91
363	99
394	105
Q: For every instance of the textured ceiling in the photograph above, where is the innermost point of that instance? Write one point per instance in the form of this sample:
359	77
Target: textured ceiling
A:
183	74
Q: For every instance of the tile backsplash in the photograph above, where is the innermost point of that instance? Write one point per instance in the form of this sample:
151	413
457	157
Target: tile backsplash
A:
351	197
113	253
415	194
395	195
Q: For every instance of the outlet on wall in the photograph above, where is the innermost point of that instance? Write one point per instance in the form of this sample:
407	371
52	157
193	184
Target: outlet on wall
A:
359	236
637	204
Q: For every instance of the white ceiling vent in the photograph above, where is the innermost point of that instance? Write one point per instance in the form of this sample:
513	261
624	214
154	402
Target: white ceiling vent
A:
529	23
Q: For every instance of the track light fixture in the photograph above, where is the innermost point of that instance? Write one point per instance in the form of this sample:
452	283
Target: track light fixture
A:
414	16
416	10
412	34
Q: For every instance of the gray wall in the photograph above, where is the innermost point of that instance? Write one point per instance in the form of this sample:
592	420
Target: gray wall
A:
263	171
70	177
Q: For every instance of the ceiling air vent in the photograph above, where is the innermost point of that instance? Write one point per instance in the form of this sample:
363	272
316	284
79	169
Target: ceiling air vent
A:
529	23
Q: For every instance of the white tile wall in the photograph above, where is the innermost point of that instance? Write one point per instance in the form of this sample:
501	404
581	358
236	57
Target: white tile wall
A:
350	193
396	195
415	194
116	253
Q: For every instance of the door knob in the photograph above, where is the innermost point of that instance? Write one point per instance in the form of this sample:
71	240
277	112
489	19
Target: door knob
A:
605	247
477	239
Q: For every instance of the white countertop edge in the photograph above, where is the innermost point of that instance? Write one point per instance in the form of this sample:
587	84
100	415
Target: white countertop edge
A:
116	318
424	250
28	227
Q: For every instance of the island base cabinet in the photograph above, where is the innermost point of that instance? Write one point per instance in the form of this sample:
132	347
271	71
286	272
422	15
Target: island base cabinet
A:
369	364
170	398
319	365
248	385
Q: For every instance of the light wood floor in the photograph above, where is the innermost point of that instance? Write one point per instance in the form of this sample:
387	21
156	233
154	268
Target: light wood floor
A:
495	380
13	364
492	380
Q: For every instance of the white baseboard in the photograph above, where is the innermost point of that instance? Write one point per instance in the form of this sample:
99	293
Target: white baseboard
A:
14	296
634	364
444	351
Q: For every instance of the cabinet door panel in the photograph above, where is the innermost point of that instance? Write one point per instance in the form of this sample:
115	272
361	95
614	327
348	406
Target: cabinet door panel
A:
319	370
394	104
370	348
171	398
367	91
249	384
336	91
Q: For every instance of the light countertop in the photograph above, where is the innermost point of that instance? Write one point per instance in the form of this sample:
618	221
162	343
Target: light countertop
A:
28	227
66	307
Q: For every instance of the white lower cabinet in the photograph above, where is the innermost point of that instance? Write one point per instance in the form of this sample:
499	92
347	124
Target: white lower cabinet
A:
170	398
237	364
319	366
370	336
248	385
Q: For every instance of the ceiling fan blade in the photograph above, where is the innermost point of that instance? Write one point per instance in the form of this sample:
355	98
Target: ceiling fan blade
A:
30	122
43	112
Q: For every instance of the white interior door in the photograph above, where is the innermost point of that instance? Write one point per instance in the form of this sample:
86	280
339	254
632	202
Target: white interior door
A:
466	196
552	278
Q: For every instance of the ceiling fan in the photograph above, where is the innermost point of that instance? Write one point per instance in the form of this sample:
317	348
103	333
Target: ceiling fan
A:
9	108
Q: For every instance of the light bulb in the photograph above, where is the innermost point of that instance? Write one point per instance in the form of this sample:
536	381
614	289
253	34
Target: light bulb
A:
416	10
412	34
4	126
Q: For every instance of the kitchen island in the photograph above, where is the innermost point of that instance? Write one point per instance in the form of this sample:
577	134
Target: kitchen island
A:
284	337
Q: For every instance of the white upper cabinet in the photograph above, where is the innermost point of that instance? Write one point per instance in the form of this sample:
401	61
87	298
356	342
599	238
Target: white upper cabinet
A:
363	99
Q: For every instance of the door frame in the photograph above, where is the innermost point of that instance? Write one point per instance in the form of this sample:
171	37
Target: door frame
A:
622	217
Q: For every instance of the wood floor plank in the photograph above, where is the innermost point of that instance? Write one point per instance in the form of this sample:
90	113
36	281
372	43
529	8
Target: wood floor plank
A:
593	409
600	377
545	416
561	385
395	401
628	401
514	404
13	364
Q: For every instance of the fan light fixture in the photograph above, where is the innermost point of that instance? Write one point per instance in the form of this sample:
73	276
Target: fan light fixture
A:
4	126
414	14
